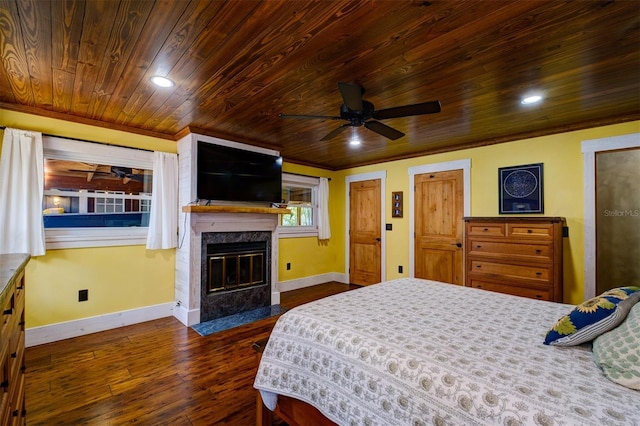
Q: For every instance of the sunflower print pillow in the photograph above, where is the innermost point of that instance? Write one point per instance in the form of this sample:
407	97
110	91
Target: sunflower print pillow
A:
593	317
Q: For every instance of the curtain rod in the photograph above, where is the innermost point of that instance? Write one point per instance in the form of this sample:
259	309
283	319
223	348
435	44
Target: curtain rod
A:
300	174
87	141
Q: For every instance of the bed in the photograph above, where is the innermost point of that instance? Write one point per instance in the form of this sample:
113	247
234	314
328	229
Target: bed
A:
418	352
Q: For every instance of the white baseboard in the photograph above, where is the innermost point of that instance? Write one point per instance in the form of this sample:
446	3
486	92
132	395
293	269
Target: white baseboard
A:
66	330
186	316
312	280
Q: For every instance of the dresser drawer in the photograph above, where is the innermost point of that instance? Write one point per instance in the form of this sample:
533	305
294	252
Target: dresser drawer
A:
7	317
17	403
514	290
529	251
486	229
530	230
540	273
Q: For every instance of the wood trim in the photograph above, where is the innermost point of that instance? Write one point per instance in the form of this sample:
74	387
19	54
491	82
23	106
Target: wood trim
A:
83	120
523	219
234	209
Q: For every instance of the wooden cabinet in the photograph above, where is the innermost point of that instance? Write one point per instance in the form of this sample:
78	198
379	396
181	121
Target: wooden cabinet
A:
12	375
520	256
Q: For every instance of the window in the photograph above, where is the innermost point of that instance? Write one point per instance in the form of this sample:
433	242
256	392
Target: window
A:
300	194
95	194
110	202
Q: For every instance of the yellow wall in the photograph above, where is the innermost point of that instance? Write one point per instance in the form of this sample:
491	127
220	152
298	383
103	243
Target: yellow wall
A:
121	278
118	278
563	191
308	256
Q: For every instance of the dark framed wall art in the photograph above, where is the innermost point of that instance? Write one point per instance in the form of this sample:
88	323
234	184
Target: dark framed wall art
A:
396	200
521	189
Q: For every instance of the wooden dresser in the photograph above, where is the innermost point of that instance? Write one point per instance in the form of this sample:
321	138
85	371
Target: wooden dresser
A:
12	408
519	256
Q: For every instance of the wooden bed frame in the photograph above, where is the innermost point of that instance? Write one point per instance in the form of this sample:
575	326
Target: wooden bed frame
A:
291	410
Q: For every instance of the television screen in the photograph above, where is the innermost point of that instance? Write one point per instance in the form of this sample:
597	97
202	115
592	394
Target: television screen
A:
231	174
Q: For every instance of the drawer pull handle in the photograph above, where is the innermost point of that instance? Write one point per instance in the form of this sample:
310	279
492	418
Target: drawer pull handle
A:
23	368
538	296
8	311
14	355
478	286
538	251
529	231
478	266
20	287
4	384
485	229
478	246
15	413
538	273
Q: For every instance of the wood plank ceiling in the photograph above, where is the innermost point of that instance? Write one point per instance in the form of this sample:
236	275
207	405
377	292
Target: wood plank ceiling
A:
238	64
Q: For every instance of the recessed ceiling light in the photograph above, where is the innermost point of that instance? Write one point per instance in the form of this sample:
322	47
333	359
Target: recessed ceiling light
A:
531	99
162	81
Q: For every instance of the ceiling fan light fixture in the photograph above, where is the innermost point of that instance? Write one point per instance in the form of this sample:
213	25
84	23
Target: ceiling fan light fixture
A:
531	99
354	140
162	81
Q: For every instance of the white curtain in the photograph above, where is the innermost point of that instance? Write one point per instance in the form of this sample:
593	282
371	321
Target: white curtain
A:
21	190
163	220
324	231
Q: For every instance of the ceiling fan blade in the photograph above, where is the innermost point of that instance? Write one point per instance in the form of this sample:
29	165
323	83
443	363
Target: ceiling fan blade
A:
323	117
404	111
384	130
351	95
335	132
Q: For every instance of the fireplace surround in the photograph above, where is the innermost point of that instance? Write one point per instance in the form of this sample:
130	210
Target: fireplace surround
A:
235	273
231	225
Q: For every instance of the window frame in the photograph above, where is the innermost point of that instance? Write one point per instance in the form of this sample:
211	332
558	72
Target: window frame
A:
75	150
290	179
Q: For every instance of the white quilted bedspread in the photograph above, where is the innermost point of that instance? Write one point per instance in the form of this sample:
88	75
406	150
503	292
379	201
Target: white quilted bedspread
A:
416	352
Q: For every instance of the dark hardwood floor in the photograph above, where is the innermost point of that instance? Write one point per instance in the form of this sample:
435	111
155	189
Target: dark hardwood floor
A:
154	373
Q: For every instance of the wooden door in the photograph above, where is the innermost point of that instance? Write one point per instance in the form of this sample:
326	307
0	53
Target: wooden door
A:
438	229
365	232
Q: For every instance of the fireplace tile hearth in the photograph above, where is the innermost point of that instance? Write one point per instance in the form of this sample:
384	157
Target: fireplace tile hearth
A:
236	320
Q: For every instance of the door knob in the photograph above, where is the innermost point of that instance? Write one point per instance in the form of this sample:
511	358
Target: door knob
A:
457	244
378	239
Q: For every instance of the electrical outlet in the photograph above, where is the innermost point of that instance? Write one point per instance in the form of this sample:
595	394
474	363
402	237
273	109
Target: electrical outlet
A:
288	266
399	269
83	295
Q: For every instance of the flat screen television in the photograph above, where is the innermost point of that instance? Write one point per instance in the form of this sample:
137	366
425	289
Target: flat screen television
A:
231	174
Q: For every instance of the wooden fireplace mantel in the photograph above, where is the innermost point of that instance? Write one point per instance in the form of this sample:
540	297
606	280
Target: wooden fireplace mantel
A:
234	209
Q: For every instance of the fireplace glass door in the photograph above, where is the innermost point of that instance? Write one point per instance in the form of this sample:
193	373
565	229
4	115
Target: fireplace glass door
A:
238	265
